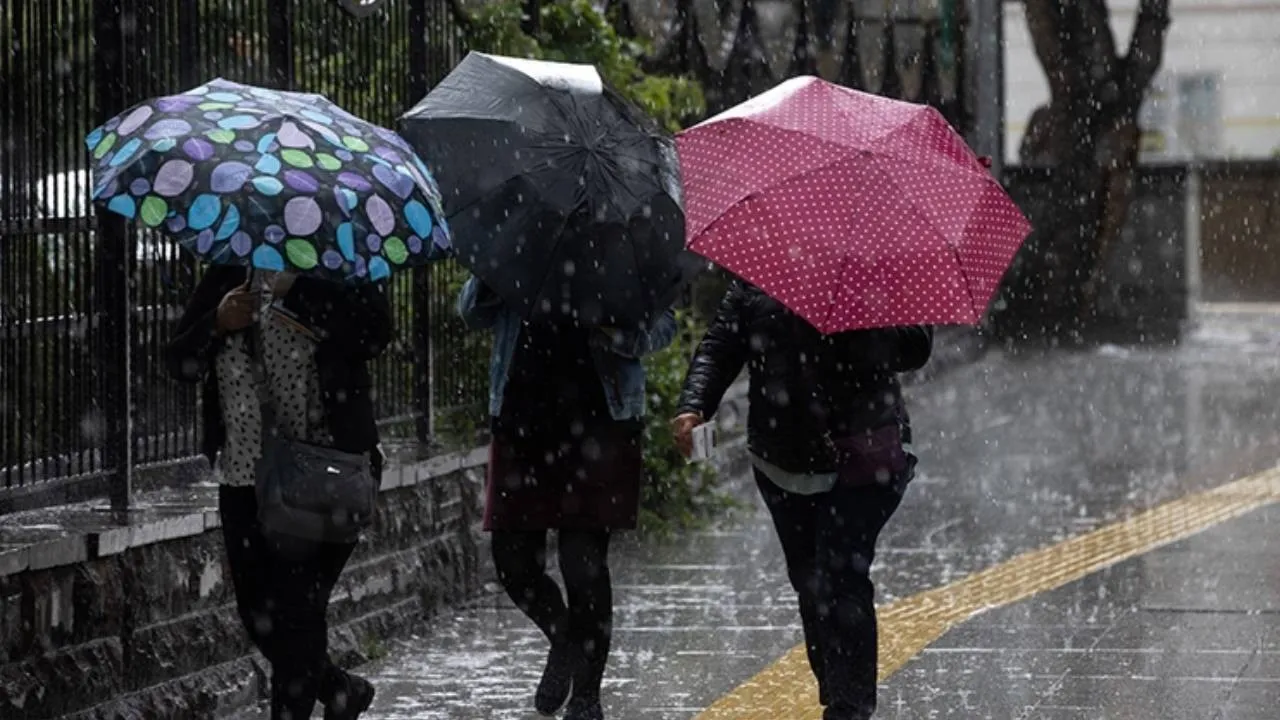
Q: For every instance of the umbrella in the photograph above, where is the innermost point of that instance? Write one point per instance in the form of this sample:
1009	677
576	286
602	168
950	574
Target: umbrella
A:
563	196
853	210
276	180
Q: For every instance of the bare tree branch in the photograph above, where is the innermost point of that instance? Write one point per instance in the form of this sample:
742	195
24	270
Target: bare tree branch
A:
1044	20
1097	17
1146	49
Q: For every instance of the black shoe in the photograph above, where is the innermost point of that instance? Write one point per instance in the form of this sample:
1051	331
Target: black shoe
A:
557	680
844	711
583	709
348	702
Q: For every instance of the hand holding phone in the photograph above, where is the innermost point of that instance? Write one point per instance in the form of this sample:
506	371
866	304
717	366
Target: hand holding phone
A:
704	442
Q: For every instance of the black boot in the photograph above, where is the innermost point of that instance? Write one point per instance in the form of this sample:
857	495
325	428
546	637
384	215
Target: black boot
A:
352	696
557	679
584	709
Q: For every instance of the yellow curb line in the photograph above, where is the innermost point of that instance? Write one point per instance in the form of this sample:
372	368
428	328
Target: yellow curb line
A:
786	689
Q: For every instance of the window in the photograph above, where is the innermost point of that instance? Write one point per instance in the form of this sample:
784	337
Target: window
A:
1181	117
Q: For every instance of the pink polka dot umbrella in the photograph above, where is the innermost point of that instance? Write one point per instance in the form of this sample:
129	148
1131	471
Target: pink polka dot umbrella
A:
853	210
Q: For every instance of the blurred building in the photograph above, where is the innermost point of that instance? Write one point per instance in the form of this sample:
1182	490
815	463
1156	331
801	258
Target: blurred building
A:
1217	96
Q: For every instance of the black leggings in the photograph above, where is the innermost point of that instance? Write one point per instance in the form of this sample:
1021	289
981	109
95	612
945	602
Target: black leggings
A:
282	600
587	620
829	541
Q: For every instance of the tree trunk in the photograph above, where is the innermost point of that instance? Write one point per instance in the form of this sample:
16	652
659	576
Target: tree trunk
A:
1088	138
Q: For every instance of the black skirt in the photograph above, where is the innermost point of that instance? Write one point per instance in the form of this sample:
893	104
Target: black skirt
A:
558	459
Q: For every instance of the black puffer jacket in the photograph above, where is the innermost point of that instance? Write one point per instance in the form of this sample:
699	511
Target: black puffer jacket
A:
805	386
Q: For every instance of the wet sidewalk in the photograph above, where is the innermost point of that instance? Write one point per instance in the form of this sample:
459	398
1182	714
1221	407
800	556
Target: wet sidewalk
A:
1190	631
1018	453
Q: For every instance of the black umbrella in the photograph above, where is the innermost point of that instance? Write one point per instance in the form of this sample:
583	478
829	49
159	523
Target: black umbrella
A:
562	196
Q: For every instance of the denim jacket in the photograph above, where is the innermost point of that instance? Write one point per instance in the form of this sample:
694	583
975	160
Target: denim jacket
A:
621	372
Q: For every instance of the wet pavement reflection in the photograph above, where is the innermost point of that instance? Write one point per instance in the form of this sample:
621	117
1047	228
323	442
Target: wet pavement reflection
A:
1187	631
1017	452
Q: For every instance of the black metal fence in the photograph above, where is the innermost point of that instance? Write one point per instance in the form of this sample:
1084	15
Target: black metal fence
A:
86	303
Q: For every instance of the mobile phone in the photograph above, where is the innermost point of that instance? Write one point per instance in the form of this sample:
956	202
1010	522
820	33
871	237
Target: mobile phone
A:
704	442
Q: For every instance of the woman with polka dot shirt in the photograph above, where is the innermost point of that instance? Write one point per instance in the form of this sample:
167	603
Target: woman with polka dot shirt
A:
317	340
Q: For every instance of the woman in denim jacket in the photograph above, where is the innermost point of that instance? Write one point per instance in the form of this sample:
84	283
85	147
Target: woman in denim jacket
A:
567	405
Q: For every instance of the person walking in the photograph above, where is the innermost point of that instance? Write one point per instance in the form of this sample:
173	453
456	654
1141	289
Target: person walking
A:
567	404
317	339
829	437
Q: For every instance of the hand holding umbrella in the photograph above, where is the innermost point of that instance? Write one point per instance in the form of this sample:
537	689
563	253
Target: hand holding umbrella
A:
237	310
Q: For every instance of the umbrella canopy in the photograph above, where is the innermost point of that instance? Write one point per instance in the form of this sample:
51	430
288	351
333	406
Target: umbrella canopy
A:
563	196
277	180
853	210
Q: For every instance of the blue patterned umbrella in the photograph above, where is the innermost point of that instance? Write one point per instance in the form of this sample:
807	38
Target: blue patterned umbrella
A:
277	180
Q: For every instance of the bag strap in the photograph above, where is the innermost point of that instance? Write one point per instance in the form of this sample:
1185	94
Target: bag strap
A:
261	379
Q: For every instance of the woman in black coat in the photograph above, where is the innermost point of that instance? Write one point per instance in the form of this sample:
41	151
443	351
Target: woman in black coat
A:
317	340
829	438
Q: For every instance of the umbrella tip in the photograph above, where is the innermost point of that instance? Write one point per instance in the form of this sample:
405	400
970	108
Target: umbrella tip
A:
985	160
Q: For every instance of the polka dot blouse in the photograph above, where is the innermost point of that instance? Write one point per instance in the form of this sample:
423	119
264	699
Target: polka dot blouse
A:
289	357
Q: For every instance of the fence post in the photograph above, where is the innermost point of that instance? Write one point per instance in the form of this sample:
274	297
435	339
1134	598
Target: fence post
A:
113	252
280	15
531	23
424	363
189	43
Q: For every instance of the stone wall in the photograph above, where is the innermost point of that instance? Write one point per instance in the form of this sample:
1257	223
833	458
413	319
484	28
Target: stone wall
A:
141	615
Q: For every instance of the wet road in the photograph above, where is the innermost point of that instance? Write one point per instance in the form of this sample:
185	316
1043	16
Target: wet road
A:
1018	453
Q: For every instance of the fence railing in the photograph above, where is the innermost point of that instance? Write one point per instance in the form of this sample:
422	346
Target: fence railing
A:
87	302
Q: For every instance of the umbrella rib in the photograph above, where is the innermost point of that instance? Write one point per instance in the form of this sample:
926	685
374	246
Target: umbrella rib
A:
925	116
515	174
844	263
551	255
845	153
774	186
635	259
953	247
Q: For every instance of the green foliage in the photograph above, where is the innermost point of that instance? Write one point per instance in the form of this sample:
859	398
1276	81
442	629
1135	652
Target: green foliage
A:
460	356
574	31
677	494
